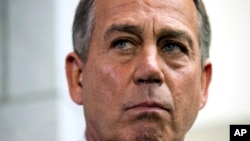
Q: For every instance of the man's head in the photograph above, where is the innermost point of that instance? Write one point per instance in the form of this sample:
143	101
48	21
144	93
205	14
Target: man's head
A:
140	67
84	22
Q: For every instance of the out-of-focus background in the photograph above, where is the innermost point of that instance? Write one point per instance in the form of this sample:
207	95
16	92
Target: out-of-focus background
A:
35	36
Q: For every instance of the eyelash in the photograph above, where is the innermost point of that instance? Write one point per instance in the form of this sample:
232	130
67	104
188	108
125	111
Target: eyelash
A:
181	46
162	45
115	43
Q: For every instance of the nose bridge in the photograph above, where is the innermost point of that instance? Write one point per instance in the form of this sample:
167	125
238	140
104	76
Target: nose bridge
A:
148	67
149	57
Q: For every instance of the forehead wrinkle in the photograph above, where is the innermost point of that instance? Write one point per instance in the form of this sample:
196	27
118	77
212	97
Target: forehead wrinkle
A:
122	5
167	7
123	27
177	8
112	7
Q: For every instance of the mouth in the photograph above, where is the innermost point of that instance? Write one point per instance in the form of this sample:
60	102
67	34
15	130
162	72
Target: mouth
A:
149	106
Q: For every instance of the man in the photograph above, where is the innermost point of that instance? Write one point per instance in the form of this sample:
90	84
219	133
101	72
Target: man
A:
140	68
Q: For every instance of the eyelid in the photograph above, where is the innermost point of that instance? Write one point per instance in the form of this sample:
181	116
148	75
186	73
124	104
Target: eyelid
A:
126	39
182	46
129	48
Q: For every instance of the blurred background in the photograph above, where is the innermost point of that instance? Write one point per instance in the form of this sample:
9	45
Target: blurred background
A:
35	36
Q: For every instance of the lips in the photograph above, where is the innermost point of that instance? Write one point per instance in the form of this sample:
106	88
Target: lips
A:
149	105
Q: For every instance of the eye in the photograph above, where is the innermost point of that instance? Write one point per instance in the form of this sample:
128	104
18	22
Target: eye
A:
121	44
174	48
125	45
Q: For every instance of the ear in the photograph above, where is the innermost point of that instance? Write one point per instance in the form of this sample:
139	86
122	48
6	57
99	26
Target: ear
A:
205	81
74	75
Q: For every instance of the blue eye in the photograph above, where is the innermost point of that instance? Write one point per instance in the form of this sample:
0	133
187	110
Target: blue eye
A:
172	48
123	44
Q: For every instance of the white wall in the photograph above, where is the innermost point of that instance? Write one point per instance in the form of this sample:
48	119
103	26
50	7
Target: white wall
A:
1	49
28	110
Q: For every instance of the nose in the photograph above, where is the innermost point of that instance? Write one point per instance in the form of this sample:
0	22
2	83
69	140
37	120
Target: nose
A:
148	67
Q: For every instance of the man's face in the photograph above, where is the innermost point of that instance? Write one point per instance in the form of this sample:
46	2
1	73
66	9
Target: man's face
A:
143	79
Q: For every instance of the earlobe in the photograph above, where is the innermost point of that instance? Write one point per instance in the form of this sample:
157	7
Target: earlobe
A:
73	66
205	81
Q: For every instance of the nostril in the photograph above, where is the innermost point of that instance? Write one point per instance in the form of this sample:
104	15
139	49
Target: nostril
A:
149	81
156	81
141	81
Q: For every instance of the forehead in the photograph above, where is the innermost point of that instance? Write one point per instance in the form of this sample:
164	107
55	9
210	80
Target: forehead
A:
138	11
110	7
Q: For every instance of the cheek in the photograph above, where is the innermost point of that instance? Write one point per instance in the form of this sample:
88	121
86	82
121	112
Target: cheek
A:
191	95
188	88
98	84
111	81
104	92
103	87
186	95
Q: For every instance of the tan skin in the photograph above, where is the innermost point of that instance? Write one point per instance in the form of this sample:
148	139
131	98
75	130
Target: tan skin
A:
143	79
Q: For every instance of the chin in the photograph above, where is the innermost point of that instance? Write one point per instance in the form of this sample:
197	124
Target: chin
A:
147	132
148	126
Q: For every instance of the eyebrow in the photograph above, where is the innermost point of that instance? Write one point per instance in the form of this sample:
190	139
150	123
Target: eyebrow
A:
136	30
126	28
176	34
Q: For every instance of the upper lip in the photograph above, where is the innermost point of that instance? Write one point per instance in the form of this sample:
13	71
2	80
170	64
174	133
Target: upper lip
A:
150	104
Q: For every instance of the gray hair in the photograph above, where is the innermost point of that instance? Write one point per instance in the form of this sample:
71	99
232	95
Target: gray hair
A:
204	30
82	28
84	23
